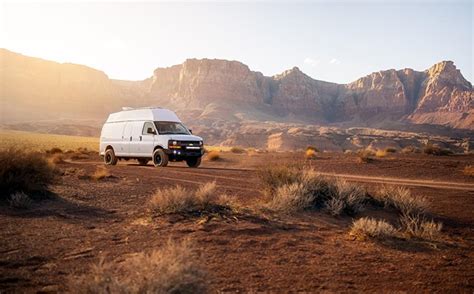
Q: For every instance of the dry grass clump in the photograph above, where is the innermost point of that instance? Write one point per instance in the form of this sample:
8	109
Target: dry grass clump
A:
410	149
381	153
22	171
412	212
365	156
416	225
213	156
178	199
401	199
20	200
291	190
237	150
275	176
365	228
100	173
468	170
312	148
436	150
310	153
174	268
347	198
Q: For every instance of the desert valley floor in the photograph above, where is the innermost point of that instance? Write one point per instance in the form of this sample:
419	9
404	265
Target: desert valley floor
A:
43	248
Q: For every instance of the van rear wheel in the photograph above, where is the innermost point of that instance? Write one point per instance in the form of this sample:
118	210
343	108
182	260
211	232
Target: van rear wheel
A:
160	158
193	161
143	161
109	157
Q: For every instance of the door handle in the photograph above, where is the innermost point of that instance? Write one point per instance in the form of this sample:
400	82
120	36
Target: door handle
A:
130	138
140	138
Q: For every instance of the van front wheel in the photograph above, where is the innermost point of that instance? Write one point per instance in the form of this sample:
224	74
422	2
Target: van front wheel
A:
160	158
109	157
193	161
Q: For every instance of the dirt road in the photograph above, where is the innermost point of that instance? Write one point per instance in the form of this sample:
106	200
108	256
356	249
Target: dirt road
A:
58	239
242	175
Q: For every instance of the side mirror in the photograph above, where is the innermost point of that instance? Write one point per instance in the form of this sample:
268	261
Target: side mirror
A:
191	131
150	131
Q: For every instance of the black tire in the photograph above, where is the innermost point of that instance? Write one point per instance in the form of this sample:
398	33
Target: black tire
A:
193	161
160	158
109	157
143	161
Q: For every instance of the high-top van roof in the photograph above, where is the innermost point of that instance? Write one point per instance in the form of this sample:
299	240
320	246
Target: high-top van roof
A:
149	113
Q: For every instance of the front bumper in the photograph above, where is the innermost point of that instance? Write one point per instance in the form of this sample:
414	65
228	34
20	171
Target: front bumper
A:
180	154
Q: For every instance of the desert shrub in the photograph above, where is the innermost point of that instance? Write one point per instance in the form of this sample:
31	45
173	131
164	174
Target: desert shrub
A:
401	199
390	150
54	150
20	200
178	199
57	158
273	177
416	225
364	228
174	268
237	150
213	156
312	148
291	198
381	153
310	153
469	170
347	198
292	190
365	156
27	172
431	149
410	149
100	173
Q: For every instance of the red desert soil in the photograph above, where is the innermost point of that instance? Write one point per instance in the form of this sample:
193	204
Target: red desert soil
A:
43	247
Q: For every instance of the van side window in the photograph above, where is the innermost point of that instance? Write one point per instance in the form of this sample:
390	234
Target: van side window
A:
146	126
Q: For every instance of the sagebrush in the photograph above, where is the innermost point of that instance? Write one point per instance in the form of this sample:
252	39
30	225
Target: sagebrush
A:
22	171
174	268
364	228
290	190
178	199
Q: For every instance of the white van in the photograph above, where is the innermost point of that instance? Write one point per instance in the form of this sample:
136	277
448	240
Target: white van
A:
146	134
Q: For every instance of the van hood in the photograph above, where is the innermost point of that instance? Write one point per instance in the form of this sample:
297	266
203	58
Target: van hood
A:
185	138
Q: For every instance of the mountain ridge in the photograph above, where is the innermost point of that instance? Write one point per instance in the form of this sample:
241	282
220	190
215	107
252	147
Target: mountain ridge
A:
209	90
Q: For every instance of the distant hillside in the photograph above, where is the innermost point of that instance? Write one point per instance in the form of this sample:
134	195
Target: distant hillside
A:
219	92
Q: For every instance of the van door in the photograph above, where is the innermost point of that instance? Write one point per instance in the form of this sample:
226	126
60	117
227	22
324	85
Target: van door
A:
148	139
126	139
136	138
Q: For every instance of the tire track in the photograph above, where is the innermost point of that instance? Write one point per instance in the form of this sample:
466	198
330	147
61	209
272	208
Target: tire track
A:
209	173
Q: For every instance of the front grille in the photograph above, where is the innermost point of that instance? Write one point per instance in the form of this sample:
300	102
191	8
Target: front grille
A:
189	145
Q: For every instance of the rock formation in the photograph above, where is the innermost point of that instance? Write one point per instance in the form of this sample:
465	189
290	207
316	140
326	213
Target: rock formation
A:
210	91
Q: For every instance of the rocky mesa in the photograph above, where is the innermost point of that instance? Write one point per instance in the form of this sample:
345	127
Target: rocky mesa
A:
211	92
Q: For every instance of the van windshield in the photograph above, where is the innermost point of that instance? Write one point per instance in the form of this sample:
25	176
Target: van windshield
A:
169	127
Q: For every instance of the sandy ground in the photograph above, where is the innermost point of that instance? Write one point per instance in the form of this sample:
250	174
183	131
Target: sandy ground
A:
40	249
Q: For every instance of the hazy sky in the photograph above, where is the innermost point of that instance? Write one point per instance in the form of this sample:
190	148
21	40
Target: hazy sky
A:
338	42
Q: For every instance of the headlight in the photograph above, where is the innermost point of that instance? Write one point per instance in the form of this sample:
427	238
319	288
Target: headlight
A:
201	143
173	145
